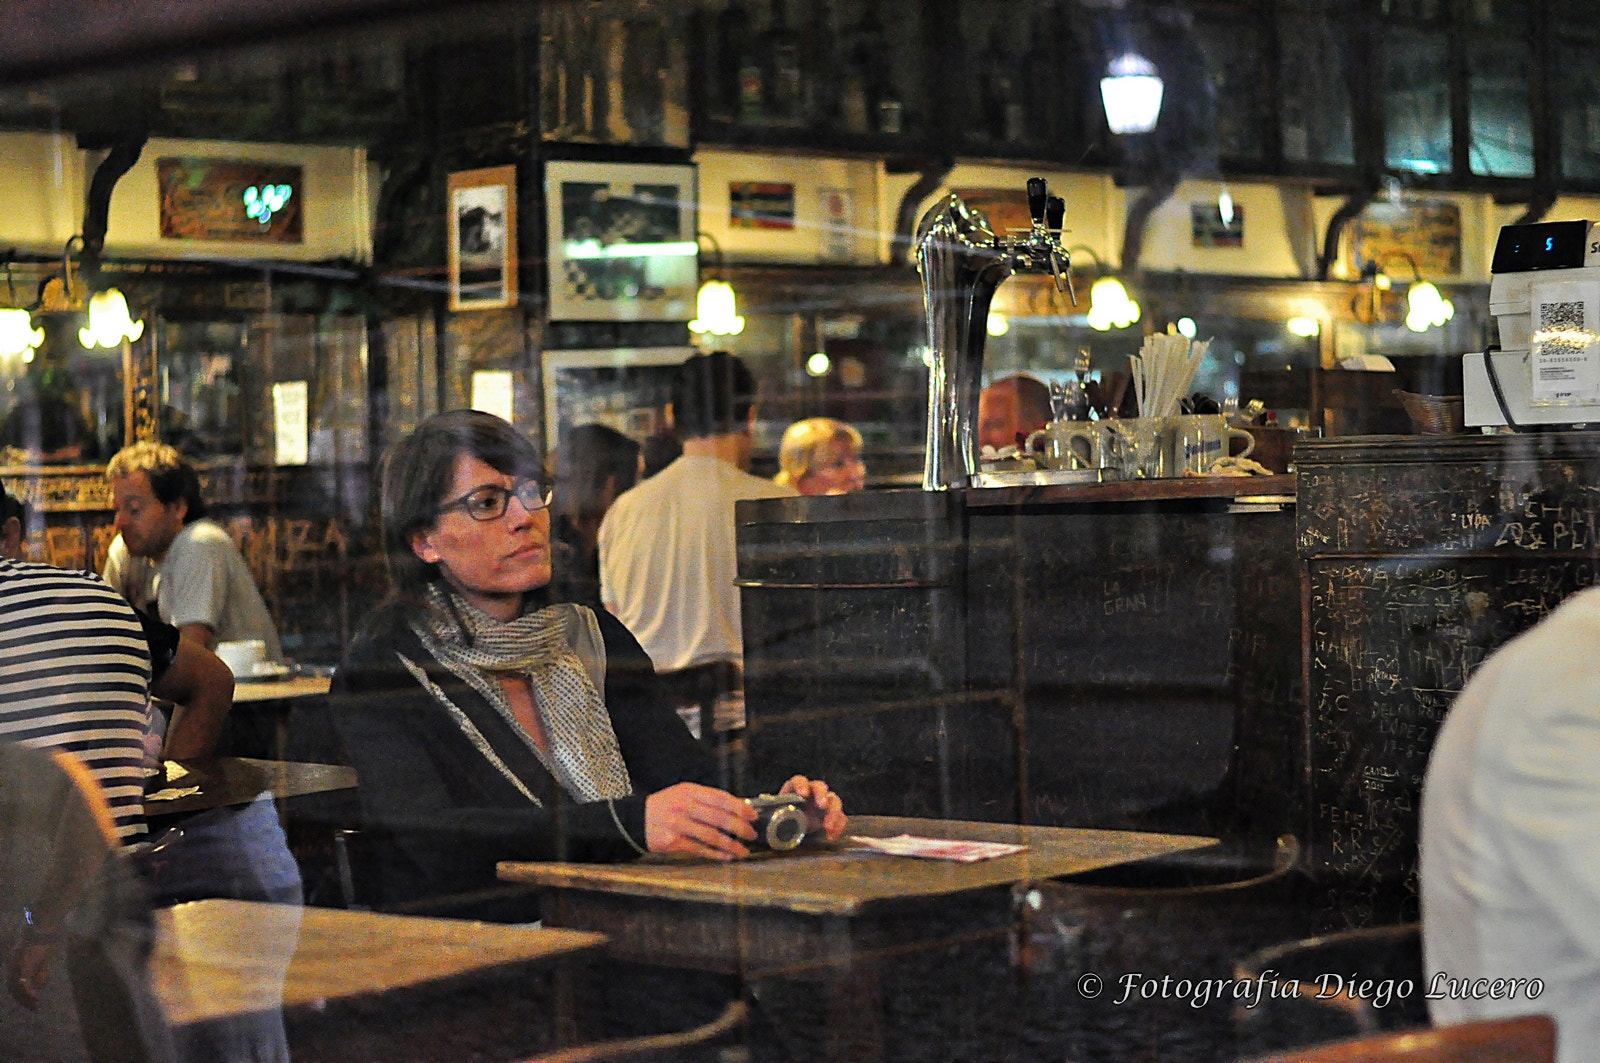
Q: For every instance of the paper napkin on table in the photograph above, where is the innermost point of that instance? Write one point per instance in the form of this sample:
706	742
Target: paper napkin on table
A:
172	793
939	848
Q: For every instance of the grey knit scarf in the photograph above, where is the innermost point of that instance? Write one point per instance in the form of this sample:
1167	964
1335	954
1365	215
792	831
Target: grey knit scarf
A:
541	646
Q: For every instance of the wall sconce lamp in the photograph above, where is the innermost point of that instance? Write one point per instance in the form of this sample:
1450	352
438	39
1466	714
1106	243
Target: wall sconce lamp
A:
109	322
17	334
1131	93
1109	305
716	305
1425	307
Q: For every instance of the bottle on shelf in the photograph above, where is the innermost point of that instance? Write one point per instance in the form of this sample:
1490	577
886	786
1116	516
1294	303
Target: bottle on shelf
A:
887	110
733	43
785	81
1002	113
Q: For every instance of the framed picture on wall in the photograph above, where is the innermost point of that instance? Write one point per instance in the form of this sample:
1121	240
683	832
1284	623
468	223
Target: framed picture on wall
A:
483	238
622	241
626	388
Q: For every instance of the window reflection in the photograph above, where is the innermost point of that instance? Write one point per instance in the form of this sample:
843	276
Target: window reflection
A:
1578	109
65	405
201	409
1501	114
1314	108
1416	102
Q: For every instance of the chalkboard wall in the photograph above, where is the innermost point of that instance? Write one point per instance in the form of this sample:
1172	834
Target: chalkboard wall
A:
1421	557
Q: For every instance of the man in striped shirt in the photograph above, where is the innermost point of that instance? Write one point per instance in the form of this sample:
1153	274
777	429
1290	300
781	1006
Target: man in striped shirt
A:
75	676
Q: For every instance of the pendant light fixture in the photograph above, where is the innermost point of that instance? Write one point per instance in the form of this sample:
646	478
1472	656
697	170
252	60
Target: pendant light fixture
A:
1131	92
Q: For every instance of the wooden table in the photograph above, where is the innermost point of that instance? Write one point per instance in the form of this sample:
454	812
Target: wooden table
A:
239	780
829	913
220	959
246	692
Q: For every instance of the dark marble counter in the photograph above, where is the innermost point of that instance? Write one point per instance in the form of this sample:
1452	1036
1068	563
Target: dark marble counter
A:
1064	656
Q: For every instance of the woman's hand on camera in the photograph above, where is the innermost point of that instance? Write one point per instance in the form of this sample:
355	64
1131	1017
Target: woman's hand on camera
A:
824	808
699	820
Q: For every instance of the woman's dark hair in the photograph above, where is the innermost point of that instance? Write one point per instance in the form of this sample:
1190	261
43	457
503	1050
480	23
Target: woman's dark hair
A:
590	455
416	473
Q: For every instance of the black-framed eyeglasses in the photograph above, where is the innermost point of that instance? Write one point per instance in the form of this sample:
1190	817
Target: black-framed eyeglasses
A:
489	502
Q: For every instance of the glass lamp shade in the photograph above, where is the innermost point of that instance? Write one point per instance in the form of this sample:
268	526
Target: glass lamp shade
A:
717	310
1426	308
17	333
1109	305
1131	92
109	323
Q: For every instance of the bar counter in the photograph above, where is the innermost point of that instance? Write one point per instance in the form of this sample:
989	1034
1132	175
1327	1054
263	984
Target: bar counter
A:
1122	656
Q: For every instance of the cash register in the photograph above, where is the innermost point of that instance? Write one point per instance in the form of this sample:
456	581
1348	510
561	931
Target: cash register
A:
1544	293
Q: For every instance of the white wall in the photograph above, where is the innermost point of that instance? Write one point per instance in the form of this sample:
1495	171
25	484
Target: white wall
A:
806	243
335	224
41	191
43	179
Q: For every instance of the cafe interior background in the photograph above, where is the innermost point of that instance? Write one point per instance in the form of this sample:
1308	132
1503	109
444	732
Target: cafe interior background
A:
330	220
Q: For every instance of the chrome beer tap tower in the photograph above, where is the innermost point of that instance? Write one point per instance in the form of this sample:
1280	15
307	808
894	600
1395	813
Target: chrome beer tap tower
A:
962	262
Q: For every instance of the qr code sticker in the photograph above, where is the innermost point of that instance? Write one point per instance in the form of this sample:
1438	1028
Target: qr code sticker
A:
1561	317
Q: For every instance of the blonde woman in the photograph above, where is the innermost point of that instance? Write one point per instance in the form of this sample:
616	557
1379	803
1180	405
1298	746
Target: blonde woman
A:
821	456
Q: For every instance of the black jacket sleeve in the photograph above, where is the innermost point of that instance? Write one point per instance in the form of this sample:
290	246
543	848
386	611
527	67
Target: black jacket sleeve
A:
440	812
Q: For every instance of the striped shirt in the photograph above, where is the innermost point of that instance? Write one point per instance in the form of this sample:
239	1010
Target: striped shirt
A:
75	676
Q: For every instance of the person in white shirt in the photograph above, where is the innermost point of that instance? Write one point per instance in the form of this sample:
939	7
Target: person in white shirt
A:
168	553
667	561
1510	836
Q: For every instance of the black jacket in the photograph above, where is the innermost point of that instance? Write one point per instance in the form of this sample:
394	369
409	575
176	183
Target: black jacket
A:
439	815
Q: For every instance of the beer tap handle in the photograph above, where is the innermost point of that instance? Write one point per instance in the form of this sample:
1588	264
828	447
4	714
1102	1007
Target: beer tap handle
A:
1036	199
1063	270
1055	212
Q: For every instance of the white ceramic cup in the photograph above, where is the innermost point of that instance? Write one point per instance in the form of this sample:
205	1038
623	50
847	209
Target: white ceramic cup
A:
1194	442
1070	445
242	656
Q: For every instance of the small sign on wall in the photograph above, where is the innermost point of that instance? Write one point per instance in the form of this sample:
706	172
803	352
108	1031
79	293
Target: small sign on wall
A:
838	210
1425	231
234	200
1209	230
291	422
760	205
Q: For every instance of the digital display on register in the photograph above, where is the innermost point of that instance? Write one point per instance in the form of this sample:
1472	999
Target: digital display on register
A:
1547	245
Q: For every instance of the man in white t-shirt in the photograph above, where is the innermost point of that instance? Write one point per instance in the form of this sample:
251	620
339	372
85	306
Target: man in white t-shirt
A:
1510	838
667	562
168	553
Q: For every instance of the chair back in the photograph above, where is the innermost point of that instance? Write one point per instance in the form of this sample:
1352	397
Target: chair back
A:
1525	1039
1386	958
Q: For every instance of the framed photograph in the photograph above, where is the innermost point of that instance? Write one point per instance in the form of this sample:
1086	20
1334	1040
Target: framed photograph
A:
622	241
483	238
626	388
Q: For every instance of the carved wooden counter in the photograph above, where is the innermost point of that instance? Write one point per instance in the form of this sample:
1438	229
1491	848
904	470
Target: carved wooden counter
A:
1422	555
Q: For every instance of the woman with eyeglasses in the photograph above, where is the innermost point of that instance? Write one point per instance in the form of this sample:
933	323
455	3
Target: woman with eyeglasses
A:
488	724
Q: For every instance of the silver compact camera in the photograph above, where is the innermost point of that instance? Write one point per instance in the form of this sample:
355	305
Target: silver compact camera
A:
780	821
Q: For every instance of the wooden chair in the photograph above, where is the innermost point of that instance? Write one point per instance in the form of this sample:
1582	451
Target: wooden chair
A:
1525	1039
102	537
1383	954
65	548
734	1016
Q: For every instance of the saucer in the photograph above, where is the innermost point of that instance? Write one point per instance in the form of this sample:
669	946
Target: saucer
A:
268	670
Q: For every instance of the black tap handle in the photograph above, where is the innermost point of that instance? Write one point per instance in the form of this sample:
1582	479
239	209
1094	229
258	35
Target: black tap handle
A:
1036	198
1055	212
